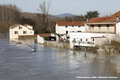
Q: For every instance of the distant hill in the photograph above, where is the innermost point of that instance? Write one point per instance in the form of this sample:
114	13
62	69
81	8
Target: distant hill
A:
64	15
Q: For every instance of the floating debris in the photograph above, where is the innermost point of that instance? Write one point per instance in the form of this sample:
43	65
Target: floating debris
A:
19	42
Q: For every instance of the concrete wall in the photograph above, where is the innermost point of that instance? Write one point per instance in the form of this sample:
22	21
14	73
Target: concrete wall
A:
20	31
118	28
84	39
40	39
57	44
106	40
63	29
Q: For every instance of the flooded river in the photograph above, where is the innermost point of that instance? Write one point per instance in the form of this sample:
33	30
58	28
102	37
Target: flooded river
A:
17	62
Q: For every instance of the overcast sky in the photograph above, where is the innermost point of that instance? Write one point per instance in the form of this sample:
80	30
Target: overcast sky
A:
68	6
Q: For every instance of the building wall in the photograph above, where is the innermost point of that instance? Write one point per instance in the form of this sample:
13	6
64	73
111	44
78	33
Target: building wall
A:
63	29
106	40
118	28
90	39
20	31
100	28
40	39
86	39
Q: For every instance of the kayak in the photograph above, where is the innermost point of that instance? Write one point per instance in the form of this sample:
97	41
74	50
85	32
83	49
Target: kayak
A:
33	50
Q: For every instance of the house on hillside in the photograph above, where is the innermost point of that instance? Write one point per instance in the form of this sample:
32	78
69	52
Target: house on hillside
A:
64	28
20	30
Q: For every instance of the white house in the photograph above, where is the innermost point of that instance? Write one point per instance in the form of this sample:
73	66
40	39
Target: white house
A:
66	27
103	24
20	30
97	31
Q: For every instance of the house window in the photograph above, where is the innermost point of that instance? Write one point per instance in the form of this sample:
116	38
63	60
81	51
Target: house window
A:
66	26
99	27
79	26
72	26
20	27
16	32
93	39
91	25
66	32
79	31
107	25
86	39
80	39
24	32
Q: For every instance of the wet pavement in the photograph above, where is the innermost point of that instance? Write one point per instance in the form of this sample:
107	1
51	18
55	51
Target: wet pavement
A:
17	62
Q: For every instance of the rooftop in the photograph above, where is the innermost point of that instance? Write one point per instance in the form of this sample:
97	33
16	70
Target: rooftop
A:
111	18
45	35
70	23
17	25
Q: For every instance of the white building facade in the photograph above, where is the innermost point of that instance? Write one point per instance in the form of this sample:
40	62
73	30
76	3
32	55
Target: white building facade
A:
89	39
118	28
84	39
66	27
20	30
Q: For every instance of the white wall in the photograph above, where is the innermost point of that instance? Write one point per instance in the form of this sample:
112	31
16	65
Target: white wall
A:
118	28
40	39
20	31
63	29
84	36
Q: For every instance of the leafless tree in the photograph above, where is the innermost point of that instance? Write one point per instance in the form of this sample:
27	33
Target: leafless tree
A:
107	48
44	8
9	13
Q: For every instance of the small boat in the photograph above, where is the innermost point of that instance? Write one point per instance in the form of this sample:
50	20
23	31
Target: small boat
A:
33	50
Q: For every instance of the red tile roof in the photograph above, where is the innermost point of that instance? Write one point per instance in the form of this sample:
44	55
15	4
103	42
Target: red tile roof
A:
111	18
44	35
70	23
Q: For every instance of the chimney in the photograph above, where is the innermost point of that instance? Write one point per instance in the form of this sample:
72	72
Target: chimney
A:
117	18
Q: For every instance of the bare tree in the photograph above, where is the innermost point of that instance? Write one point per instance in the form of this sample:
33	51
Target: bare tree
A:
9	13
44	8
107	48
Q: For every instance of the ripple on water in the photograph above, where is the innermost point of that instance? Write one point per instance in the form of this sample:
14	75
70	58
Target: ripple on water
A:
2	50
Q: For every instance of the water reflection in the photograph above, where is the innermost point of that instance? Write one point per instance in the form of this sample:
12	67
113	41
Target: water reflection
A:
48	63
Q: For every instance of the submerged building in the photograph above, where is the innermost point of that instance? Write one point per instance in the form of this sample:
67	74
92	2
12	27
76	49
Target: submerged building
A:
20	30
91	33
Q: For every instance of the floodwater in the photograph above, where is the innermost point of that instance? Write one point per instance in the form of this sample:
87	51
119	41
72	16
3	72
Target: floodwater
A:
17	62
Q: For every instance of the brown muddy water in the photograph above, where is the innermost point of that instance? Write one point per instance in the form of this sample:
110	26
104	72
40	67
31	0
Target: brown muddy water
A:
17	62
